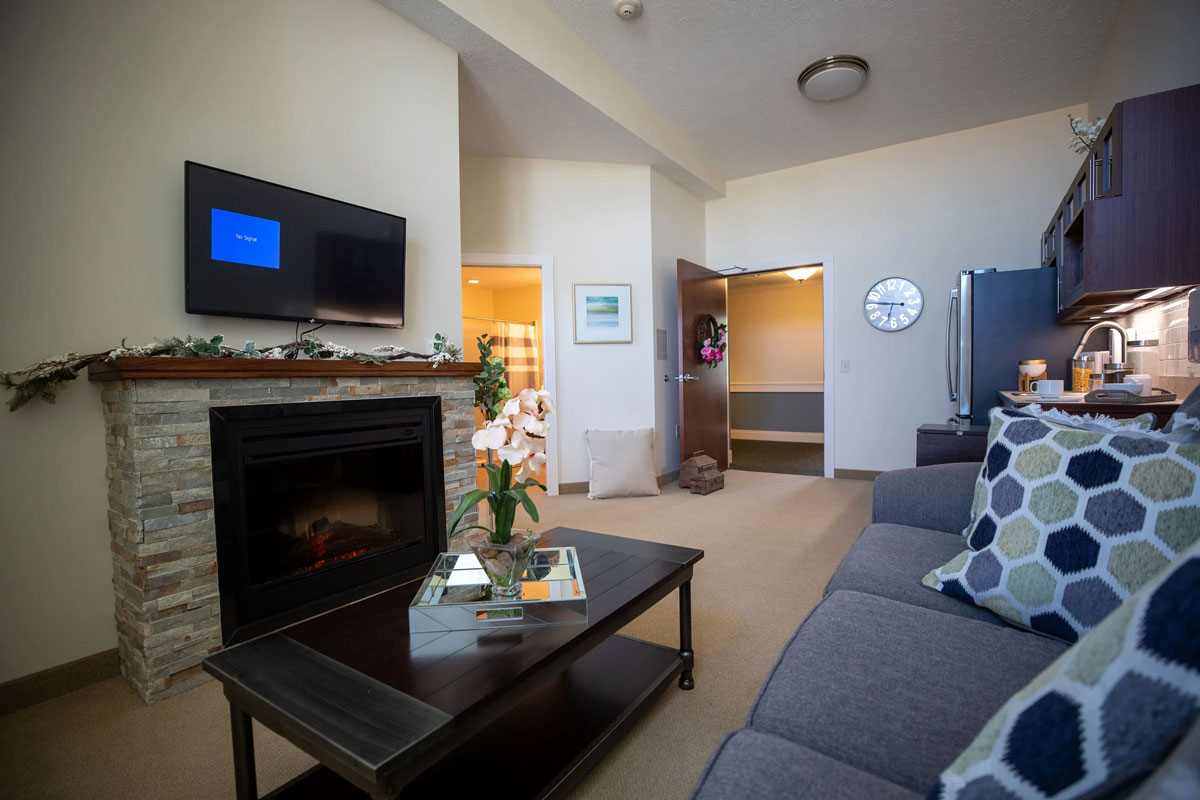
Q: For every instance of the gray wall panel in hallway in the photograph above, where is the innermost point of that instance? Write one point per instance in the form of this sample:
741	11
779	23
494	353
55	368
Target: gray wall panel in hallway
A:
777	411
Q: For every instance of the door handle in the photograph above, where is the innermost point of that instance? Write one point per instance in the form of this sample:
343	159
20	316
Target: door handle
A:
684	378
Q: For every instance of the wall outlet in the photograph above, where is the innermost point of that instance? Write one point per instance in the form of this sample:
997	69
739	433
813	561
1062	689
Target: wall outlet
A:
845	365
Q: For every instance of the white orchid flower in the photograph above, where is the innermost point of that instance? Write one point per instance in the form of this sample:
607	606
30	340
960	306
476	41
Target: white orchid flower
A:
516	451
546	402
512	407
492	435
531	465
528	399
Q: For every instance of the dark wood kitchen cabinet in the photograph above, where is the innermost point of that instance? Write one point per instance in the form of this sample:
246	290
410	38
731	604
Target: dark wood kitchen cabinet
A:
1127	223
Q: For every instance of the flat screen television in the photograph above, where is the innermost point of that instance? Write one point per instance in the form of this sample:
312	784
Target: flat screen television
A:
258	249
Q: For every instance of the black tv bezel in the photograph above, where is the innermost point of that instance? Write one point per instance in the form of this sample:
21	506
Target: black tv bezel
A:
187	258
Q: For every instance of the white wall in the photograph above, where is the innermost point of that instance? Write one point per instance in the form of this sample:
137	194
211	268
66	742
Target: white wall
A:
102	104
594	219
924	210
1155	46
677	231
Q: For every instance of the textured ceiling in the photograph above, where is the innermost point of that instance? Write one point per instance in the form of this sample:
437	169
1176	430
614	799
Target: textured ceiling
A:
508	107
725	72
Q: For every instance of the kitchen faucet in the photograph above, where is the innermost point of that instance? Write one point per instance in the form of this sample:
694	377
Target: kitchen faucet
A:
1118	337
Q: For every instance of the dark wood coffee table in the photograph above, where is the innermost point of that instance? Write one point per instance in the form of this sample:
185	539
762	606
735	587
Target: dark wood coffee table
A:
516	712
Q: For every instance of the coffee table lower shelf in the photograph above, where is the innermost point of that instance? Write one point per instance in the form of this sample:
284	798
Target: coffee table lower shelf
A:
562	729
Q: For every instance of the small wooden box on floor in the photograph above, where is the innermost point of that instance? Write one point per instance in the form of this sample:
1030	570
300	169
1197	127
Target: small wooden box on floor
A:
707	482
696	465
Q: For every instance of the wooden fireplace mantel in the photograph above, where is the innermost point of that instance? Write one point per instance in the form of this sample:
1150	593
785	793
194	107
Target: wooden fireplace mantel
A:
171	367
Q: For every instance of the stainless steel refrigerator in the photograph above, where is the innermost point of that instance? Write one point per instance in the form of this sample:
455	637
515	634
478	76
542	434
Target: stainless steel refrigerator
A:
997	318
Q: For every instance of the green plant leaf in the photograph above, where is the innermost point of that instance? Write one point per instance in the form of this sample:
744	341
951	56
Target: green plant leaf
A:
469	501
493	473
526	502
506	511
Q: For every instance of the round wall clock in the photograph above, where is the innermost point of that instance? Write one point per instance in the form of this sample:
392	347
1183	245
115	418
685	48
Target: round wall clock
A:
893	304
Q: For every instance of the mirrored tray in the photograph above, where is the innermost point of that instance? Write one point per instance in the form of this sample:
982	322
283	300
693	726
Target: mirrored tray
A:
456	595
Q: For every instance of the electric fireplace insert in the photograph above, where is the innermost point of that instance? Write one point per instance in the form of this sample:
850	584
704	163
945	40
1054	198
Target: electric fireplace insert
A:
320	503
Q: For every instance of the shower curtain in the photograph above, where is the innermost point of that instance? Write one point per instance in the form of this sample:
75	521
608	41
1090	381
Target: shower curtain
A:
517	344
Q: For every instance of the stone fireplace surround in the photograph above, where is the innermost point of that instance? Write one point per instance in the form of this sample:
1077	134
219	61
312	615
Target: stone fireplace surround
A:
160	510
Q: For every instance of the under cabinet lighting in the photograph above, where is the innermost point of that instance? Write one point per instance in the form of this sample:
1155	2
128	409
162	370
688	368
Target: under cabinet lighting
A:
1159	292
803	273
1120	308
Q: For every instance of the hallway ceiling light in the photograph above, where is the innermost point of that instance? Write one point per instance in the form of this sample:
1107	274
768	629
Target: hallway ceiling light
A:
472	280
833	78
802	273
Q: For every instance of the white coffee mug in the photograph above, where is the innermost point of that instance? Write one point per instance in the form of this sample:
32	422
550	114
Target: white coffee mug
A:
1047	389
1142	379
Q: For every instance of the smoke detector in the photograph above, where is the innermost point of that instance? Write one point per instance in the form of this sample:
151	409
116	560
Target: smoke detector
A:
628	9
833	78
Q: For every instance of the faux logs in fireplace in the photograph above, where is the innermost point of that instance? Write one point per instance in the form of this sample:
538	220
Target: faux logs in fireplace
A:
319	504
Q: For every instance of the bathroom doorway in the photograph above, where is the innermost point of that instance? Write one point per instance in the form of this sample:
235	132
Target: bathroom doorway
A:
505	303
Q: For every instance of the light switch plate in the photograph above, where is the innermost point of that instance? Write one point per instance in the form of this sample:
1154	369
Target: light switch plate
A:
660	344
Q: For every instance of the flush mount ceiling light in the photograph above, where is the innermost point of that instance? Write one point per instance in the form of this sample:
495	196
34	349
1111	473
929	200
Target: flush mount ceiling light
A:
833	78
472	280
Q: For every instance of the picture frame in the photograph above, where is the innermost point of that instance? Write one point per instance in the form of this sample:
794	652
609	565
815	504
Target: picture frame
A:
603	313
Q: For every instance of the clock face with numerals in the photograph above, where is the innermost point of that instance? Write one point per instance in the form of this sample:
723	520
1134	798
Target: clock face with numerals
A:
893	304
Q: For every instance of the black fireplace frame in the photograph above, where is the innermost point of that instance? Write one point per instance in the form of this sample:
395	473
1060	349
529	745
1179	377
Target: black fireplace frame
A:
245	615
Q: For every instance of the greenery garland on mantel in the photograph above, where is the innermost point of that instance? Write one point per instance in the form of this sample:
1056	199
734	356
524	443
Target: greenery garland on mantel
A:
41	381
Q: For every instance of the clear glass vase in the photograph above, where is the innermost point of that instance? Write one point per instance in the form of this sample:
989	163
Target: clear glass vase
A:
505	564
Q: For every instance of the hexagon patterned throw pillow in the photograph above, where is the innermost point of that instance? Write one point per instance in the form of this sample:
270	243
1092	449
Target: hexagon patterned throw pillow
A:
1105	714
1071	522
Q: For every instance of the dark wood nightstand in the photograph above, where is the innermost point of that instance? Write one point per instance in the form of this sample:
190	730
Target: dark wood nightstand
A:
947	444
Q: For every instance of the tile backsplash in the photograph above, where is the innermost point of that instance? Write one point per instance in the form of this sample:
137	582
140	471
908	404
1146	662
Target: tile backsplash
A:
1168	323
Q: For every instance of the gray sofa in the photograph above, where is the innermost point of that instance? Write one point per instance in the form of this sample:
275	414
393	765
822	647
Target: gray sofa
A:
886	682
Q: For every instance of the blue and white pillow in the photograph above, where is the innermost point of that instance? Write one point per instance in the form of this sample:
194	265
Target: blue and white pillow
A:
1106	713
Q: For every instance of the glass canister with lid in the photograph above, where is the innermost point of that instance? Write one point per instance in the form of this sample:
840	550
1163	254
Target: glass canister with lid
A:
1142	356
1082	370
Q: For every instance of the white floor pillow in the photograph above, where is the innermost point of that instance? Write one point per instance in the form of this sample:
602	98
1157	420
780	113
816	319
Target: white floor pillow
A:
622	463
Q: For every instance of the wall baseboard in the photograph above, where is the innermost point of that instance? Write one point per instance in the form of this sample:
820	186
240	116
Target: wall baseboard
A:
857	474
581	487
815	437
54	682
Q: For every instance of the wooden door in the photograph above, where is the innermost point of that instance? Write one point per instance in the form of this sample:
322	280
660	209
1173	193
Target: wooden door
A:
704	396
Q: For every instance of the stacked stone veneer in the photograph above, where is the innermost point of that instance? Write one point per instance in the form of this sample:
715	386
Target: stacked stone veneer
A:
160	504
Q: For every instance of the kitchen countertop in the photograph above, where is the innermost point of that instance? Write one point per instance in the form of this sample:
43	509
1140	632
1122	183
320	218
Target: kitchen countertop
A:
1072	402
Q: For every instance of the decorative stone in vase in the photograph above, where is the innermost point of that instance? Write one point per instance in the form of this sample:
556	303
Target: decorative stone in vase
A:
504	564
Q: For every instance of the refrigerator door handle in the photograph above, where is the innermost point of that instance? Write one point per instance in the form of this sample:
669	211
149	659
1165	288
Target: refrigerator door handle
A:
951	349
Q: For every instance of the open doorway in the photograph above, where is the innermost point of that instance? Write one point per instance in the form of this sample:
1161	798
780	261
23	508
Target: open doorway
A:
776	371
505	303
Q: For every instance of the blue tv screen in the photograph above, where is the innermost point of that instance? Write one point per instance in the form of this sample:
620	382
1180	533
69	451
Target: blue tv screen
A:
258	249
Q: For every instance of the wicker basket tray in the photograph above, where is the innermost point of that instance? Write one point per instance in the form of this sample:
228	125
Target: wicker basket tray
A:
1125	397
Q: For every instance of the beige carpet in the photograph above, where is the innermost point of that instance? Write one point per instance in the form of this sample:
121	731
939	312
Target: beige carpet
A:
770	542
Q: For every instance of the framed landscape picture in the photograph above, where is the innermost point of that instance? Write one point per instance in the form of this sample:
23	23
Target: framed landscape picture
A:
602	313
